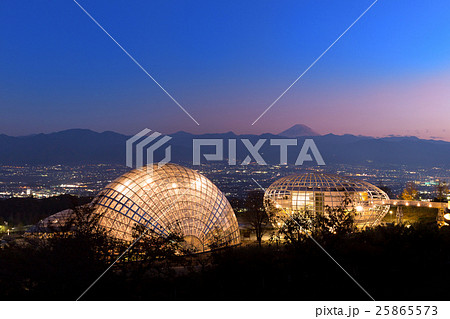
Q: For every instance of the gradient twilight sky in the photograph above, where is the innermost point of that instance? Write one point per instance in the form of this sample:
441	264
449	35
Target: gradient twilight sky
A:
225	62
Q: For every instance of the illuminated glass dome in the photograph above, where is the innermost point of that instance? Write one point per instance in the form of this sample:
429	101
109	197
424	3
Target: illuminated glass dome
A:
59	222
313	192
165	199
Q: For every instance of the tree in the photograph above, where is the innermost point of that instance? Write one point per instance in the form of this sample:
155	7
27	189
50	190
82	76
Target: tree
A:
255	213
441	191
214	240
152	251
82	230
410	192
296	227
334	221
58	261
156	246
338	220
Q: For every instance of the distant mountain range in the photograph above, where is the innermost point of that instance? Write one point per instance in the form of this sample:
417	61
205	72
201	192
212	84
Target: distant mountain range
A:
80	146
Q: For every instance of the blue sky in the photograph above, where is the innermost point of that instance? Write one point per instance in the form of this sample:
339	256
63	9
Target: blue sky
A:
225	62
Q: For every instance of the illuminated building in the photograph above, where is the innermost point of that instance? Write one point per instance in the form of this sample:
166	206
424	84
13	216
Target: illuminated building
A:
59	222
314	192
165	199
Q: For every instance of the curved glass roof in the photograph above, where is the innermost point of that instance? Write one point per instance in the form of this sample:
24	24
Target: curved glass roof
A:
61	221
320	181
166	199
316	191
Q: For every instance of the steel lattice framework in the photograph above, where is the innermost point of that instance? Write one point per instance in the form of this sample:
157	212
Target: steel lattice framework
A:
61	221
165	199
315	191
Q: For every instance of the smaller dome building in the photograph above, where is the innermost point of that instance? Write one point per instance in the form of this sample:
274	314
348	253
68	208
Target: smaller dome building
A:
314	192
59	222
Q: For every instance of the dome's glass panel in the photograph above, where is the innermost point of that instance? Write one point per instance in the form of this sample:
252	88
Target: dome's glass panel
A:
315	192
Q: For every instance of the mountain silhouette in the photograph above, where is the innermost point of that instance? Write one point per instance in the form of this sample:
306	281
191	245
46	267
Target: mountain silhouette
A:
80	146
299	130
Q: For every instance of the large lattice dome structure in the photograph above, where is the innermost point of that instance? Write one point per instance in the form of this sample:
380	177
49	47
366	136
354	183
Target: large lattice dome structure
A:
165	199
314	192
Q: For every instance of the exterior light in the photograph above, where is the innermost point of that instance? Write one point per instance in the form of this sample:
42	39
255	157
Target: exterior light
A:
359	209
447	216
390	212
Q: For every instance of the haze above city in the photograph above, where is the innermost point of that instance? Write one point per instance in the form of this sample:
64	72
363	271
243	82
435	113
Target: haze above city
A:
226	63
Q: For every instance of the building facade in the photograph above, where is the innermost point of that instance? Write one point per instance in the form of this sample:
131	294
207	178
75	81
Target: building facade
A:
317	193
